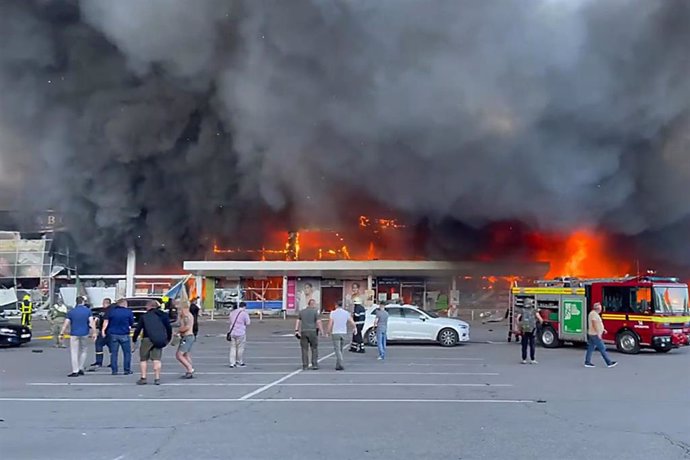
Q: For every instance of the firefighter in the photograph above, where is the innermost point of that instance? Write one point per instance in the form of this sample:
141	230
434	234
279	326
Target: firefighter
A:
27	308
57	315
358	315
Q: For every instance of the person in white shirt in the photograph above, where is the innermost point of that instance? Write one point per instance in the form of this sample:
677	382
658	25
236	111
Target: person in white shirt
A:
337	328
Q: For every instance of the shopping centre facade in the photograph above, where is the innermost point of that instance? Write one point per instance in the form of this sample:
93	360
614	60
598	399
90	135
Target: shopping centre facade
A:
289	285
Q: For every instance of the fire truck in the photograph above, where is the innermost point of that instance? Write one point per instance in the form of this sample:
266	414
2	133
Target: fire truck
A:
638	311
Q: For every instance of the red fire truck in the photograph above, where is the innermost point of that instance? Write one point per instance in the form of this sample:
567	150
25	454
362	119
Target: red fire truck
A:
638	312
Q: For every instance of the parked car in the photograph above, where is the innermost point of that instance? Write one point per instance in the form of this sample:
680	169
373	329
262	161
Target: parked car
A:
12	334
138	306
410	323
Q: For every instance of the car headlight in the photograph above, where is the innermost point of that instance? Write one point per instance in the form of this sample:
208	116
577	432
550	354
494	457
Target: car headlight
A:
8	331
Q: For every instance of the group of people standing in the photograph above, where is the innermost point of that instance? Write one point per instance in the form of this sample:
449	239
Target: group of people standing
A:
111	329
309	326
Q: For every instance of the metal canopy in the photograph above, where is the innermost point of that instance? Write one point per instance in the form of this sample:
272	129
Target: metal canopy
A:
357	269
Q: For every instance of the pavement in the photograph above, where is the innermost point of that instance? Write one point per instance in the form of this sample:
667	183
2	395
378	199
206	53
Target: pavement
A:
474	401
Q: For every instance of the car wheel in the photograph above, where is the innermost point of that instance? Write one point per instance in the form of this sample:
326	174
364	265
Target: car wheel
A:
662	350
549	338
628	343
370	337
448	338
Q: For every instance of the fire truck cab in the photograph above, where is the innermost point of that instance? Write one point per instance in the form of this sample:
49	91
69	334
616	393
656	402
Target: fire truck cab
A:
638	312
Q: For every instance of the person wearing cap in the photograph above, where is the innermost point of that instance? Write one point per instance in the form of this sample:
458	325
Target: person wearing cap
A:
359	314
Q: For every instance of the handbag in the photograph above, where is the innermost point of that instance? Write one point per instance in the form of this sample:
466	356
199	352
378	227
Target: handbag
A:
228	337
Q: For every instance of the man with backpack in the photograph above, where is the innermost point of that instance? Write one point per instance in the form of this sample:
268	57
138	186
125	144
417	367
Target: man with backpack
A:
527	321
157	334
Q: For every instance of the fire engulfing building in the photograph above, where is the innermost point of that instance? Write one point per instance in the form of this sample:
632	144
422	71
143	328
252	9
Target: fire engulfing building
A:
379	260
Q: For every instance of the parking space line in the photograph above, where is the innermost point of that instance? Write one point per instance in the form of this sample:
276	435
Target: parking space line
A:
256	384
395	384
267	400
401	373
121	384
280	380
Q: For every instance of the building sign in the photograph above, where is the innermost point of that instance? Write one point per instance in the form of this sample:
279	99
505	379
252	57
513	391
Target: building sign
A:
291	301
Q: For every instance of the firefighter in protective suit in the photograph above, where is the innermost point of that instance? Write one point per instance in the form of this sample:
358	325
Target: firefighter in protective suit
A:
359	316
27	309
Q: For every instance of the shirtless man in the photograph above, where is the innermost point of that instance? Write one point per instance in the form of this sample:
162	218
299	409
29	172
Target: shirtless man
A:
186	333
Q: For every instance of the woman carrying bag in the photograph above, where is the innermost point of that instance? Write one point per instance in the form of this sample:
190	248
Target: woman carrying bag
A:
237	334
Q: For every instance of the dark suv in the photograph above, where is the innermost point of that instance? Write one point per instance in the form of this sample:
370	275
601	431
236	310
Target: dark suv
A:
138	306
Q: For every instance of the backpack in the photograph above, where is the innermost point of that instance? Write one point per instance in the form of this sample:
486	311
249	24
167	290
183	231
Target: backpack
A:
155	329
528	320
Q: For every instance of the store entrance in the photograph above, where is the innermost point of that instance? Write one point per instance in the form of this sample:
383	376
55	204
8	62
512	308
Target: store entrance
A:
329	296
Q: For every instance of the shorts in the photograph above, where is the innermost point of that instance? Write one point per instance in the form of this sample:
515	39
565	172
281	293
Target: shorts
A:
148	352
186	343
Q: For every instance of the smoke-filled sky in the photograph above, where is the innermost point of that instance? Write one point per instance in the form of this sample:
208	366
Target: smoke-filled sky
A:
162	122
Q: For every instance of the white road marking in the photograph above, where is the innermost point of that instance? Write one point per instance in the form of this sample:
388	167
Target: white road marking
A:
280	380
334	384
216	400
401	373
240	372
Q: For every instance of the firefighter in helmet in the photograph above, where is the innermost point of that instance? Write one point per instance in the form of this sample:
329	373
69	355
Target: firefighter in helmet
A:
27	309
165	303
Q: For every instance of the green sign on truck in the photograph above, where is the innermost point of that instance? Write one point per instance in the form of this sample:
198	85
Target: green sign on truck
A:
573	309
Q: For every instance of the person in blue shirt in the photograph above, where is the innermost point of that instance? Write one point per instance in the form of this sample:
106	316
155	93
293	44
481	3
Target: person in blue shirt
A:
81	325
118	322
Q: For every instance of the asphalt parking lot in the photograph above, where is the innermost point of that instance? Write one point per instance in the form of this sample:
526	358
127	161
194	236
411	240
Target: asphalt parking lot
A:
469	402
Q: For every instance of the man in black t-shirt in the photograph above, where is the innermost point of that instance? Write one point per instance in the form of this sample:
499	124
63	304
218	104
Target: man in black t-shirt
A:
101	341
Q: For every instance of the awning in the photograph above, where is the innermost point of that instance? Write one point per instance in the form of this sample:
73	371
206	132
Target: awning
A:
355	269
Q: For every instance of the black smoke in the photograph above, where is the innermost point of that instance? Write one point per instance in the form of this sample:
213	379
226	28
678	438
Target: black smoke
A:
164	123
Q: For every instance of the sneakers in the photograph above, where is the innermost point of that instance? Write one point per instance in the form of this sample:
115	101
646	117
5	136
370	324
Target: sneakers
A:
380	358
73	374
304	368
231	366
157	381
188	376
127	373
613	364
141	382
241	365
589	365
81	372
534	361
339	368
315	368
524	361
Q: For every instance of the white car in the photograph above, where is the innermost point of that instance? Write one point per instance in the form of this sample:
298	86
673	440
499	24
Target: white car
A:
410	323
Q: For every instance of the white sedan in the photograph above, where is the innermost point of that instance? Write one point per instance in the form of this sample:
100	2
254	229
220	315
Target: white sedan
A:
410	323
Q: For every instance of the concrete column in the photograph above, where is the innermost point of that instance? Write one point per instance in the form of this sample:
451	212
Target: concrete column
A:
285	296
370	282
131	271
198	279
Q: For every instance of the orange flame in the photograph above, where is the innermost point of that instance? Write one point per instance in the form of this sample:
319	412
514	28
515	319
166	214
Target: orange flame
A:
583	254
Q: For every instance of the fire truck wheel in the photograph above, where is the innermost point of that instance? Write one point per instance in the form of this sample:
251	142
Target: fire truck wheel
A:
448	338
370	337
549	338
627	342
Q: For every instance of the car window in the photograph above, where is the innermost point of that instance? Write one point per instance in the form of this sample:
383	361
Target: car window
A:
394	312
411	313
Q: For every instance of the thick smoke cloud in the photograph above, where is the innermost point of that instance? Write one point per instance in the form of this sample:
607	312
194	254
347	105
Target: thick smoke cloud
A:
162	123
